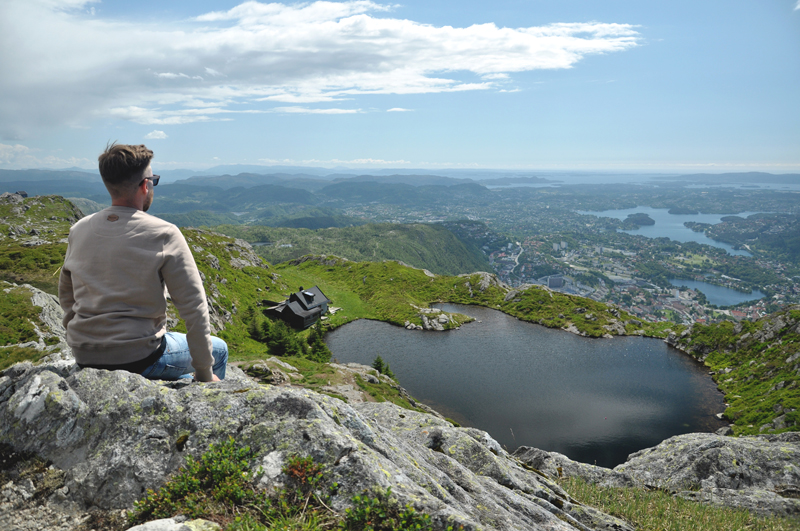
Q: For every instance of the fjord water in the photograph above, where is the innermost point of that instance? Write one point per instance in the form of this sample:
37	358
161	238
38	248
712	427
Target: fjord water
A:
719	295
672	225
594	400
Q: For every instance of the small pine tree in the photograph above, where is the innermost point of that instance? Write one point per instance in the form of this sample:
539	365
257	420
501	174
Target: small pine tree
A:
382	367
253	320
282	341
318	350
264	330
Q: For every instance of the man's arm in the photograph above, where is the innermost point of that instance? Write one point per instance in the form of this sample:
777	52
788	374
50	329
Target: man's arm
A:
186	289
66	297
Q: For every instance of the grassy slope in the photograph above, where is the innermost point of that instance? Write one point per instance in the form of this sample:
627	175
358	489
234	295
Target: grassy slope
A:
388	291
38	265
50	217
426	246
757	366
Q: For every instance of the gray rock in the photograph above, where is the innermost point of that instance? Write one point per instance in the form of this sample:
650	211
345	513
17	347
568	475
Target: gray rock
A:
761	474
486	281
706	461
615	327
557	465
114	434
170	524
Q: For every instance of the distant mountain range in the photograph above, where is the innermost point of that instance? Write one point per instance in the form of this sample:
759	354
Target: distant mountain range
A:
753	177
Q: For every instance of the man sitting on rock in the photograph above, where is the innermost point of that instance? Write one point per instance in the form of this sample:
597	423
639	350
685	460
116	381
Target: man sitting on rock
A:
112	285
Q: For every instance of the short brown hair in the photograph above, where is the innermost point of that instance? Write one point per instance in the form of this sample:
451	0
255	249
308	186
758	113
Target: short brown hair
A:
121	166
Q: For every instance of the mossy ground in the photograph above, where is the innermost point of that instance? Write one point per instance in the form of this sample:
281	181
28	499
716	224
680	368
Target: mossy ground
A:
389	291
759	372
50	217
322	377
654	510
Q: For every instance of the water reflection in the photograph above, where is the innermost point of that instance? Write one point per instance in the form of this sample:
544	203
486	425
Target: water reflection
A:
593	400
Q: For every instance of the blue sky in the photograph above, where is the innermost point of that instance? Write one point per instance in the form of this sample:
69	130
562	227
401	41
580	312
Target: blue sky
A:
606	85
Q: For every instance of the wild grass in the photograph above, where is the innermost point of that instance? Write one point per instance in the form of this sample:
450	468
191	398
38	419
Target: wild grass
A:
658	511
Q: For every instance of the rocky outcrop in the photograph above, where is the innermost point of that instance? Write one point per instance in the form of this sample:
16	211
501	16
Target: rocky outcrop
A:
114	434
31	221
427	273
435	319
484	282
50	331
761	474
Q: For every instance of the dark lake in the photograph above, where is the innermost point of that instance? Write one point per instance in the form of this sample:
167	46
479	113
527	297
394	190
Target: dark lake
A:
594	400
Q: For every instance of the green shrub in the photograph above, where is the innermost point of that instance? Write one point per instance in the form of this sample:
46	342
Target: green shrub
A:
382	367
318	350
213	485
378	512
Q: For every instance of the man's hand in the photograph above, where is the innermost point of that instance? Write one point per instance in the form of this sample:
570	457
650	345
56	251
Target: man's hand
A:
214	378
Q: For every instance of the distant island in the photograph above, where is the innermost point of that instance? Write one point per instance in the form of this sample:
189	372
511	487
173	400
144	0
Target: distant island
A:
640	218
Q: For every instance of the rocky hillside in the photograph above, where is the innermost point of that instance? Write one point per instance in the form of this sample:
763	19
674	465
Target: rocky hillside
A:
757	366
33	234
106	437
760	474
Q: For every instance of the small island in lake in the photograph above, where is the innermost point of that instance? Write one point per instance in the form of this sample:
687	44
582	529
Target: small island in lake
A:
640	219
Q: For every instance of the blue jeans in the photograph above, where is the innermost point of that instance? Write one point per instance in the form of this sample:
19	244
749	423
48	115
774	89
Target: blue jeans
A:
176	362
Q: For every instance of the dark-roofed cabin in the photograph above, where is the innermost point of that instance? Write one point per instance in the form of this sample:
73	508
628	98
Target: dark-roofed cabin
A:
23	193
301	309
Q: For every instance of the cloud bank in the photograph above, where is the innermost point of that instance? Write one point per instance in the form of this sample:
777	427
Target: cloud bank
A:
63	65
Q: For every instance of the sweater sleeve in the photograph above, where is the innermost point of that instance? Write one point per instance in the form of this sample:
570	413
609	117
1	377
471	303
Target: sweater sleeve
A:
66	297
186	289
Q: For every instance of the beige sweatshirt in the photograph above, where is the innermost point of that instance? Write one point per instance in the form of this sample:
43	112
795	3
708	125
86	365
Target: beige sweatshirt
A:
112	289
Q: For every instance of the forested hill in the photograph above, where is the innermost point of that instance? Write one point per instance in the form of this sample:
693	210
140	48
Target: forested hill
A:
431	247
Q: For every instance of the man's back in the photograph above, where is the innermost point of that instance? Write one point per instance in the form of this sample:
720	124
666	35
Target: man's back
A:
112	287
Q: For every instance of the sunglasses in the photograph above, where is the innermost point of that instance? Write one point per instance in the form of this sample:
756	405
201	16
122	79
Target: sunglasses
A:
154	178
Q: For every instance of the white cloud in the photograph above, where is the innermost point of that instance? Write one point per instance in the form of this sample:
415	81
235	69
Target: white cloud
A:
212	72
171	75
10	154
156	135
398	109
19	156
68	66
797	7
